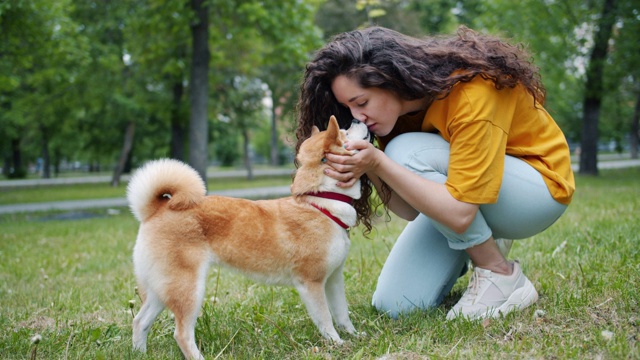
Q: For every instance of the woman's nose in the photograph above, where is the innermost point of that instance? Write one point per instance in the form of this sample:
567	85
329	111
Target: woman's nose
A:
359	116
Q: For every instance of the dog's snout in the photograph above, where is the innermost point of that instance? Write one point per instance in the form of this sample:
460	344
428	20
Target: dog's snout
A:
358	130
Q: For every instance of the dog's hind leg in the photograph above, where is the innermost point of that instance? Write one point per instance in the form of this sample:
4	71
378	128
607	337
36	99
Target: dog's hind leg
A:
184	334
185	293
151	308
314	297
338	301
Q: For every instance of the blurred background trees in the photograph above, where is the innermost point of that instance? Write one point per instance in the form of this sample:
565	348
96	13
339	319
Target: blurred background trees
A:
106	85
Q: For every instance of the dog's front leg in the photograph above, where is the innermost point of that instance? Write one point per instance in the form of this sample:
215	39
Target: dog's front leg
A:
338	301
314	297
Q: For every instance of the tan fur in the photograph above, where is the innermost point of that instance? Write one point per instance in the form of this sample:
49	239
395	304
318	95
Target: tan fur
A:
284	241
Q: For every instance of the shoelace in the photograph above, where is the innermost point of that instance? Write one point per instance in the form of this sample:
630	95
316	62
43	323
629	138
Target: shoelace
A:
474	286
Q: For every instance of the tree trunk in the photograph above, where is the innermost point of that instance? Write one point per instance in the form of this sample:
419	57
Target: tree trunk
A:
17	171
177	124
635	130
56	161
124	154
274	132
594	90
6	166
46	159
247	154
199	89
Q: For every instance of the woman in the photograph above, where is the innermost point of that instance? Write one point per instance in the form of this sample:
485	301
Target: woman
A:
467	154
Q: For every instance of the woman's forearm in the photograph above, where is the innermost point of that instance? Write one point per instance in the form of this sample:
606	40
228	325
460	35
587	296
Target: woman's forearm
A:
423	195
395	203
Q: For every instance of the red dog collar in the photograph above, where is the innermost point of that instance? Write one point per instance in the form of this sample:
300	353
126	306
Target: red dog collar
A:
326	212
332	196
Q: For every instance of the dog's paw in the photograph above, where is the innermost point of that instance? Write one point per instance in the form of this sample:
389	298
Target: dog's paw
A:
355	333
359	334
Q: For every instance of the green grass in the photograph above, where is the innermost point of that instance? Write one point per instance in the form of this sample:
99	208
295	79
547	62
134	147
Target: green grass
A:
71	282
104	191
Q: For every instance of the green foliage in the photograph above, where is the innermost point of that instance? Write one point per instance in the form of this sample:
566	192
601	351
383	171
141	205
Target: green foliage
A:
561	49
76	73
557	33
73	74
40	54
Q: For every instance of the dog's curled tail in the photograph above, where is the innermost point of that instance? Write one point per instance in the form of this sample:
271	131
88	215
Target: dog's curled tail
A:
164	182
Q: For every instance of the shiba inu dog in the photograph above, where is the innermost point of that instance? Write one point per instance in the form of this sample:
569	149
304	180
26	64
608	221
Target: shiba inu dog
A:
299	241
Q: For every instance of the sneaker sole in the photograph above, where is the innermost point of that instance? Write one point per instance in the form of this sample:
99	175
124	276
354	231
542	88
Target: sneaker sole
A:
520	299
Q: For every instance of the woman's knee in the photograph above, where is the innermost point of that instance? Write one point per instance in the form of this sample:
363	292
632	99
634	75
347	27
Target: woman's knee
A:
419	271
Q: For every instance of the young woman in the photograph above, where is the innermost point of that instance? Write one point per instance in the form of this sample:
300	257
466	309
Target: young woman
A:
466	152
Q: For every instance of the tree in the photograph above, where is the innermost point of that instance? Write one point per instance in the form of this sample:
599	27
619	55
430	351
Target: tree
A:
587	57
244	105
199	88
108	85
265	40
286	49
635	129
622	78
162	56
594	90
40	54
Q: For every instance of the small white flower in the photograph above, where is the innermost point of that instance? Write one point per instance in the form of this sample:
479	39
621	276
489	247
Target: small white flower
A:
36	338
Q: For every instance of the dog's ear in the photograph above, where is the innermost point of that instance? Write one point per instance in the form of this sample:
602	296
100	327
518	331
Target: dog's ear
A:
314	130
333	128
335	137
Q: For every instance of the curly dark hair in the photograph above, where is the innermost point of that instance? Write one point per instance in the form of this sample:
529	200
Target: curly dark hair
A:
410	67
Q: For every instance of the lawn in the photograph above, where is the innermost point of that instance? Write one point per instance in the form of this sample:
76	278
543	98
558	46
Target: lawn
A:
70	284
103	191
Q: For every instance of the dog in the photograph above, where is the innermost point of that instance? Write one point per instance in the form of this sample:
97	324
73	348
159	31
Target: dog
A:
300	241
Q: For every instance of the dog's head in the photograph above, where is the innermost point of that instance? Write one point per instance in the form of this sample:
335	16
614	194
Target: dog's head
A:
310	176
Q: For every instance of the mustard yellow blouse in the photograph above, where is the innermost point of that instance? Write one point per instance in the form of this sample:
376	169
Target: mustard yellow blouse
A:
482	124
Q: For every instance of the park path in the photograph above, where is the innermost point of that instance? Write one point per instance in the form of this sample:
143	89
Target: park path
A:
69	205
253	193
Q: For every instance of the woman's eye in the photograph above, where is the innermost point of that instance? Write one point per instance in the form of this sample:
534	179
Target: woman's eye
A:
362	104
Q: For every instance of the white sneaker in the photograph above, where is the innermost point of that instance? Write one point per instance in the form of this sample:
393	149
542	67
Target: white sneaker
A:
490	294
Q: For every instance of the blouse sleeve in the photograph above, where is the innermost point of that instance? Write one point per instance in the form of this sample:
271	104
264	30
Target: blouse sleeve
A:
477	121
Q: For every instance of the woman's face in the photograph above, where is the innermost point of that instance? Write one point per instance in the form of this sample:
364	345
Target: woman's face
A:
377	108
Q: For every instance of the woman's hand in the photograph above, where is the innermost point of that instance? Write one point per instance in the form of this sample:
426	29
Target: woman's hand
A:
347	169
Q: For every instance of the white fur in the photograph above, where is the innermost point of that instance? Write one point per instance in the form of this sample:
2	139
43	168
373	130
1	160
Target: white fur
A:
140	190
343	211
358	131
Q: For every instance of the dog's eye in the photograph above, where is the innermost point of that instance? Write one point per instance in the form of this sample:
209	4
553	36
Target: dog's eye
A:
323	160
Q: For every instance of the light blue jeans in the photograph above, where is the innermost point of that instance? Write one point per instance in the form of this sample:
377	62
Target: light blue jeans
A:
428	257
